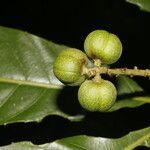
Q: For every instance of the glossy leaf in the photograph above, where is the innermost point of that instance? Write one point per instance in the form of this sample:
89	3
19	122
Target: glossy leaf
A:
28	87
127	87
127	142
132	102
143	4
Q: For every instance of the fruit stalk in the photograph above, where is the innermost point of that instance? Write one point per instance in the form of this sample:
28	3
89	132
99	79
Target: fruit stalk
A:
117	71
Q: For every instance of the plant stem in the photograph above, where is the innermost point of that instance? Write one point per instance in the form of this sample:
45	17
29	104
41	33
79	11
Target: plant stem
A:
118	71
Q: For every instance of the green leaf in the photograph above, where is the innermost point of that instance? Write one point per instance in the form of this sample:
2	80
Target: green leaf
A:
127	142
126	87
28	87
130	102
143	4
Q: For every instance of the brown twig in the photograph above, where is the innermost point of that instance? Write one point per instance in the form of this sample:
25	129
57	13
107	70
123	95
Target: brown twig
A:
117	71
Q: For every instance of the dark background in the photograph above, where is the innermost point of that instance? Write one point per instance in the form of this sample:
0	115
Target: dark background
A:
68	22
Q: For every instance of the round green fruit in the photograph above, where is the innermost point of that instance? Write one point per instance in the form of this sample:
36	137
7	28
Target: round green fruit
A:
103	45
68	66
97	96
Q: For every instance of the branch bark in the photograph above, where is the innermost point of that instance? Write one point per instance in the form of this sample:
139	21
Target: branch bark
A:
117	71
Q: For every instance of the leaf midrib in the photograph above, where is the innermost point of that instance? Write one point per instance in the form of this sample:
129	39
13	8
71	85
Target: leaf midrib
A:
30	83
138	142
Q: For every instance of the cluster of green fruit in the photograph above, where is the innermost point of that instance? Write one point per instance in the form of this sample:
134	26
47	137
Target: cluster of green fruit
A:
93	95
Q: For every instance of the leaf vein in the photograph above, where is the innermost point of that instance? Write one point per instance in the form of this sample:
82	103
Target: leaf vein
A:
78	146
9	95
29	106
41	60
138	142
21	65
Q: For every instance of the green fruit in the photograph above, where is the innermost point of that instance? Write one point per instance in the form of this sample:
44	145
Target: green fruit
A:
103	45
68	66
97	96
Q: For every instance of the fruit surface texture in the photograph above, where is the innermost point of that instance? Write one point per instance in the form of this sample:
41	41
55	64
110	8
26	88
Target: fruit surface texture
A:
68	66
97	96
103	45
